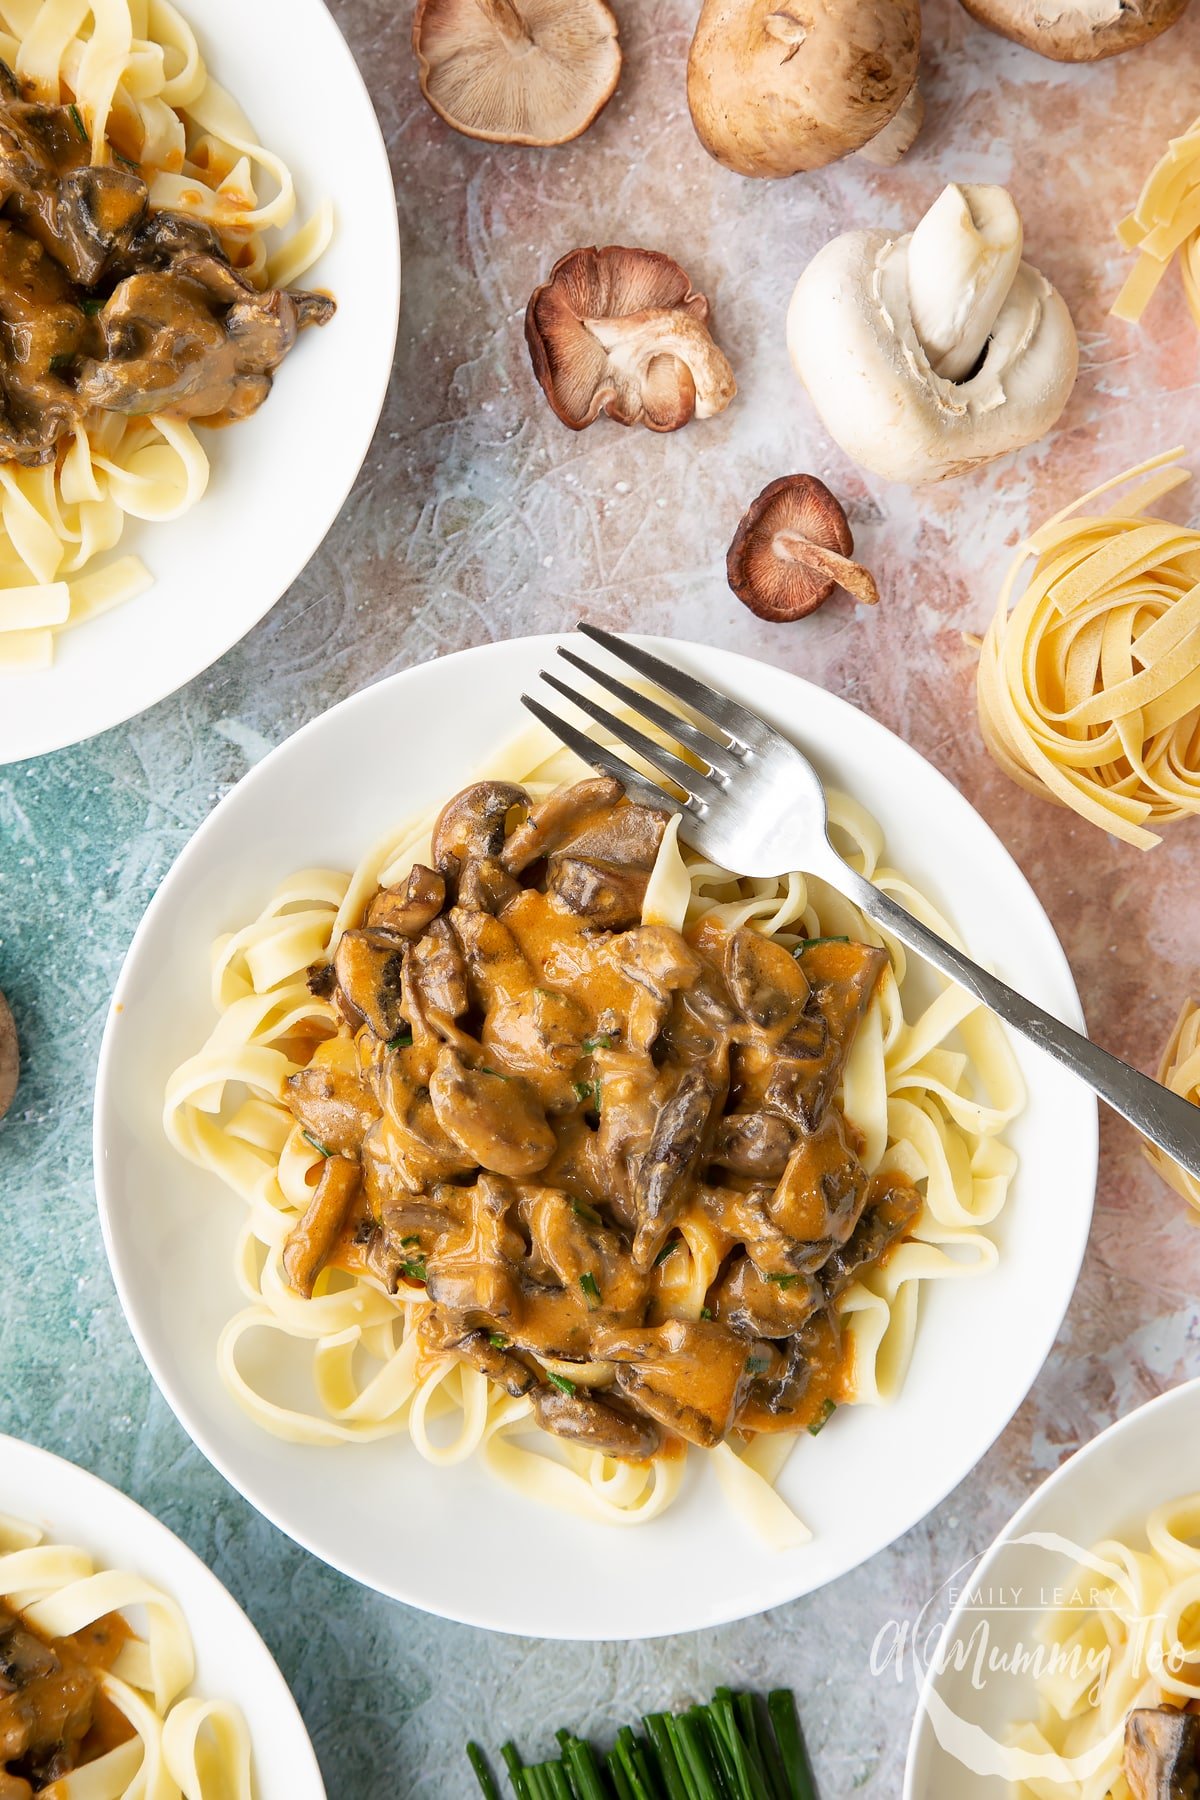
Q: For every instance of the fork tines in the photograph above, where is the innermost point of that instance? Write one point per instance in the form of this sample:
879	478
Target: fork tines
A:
720	749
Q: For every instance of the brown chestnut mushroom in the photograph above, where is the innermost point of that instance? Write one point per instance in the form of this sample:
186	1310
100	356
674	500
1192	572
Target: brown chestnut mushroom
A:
1078	31
517	71
10	1061
792	549
622	332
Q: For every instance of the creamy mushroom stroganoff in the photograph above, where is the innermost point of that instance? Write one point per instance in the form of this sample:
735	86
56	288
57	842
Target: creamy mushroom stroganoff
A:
564	1148
94	1671
144	289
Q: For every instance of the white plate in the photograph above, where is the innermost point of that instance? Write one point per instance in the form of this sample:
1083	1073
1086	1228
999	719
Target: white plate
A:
279	478
454	1542
1106	1489
232	1662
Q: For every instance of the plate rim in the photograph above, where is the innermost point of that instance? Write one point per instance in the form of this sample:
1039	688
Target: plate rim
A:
1087	1151
1180	1395
389	250
62	1475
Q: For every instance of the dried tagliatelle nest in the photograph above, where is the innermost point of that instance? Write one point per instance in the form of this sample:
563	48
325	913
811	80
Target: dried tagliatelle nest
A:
1179	1070
1089	682
1164	224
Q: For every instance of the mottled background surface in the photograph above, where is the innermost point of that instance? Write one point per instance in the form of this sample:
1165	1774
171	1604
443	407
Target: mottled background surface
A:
477	516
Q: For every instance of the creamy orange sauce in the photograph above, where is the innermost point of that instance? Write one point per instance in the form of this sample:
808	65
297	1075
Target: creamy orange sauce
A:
54	1707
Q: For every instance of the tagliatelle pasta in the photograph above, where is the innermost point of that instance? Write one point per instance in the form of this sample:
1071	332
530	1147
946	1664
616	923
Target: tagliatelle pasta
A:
1125	1640
171	1745
134	77
930	1085
1179	1070
1164	224
1089	679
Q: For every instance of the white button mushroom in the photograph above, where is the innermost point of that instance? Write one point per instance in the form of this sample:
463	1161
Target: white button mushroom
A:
930	353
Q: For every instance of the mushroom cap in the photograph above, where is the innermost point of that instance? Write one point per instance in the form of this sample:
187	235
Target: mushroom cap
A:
1078	30
623	332
779	86
10	1061
854	346
517	71
775	585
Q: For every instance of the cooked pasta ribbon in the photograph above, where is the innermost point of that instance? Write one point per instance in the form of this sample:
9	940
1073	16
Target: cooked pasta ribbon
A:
179	1745
134	72
1130	1644
930	1086
1089	681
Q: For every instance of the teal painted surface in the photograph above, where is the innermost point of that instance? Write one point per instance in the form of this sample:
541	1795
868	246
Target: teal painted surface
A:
477	516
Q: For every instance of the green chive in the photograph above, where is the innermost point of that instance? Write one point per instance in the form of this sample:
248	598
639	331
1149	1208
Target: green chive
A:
828	1408
783	1281
668	1248
587	1213
415	1270
316	1143
757	1365
401	1041
58	363
588	1092
498	1341
561	1383
128	161
591	1288
632	1759
483	1774
782	1707
602	1041
91	304
412	1238
555	1777
664	1752
584	1770
516	1771
811	944
77	122
706	1312
495	1074
619	1779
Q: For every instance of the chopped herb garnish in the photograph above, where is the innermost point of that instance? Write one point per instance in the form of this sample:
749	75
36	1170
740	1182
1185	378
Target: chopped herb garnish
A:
561	1383
589	1093
811	944
412	1238
591	1288
127	160
668	1248
757	1365
91	304
60	362
77	122
602	1041
828	1408
498	1341
401	1041
706	1312
495	1074
783	1281
587	1213
322	1149
414	1270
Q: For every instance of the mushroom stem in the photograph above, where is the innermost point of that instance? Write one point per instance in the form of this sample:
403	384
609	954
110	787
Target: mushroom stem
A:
507	20
790	546
963	258
898	138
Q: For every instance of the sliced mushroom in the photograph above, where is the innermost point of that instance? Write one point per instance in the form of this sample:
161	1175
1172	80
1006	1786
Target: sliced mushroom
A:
336	1110
498	1119
10	1058
485	886
809	1065
765	981
311	1241
822	1192
434	979
604	1425
473	1271
584	1256
557	819
409	908
753	1144
622	332
1162	1754
689	1375
664	1171
472	824
517	71
369	966
892	1205
1078	31
780	86
764	1306
506	1367
792	548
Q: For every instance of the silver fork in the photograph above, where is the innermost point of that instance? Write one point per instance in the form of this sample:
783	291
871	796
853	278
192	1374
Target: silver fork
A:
758	806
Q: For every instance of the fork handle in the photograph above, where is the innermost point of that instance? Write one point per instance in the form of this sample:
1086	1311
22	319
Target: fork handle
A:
1167	1119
